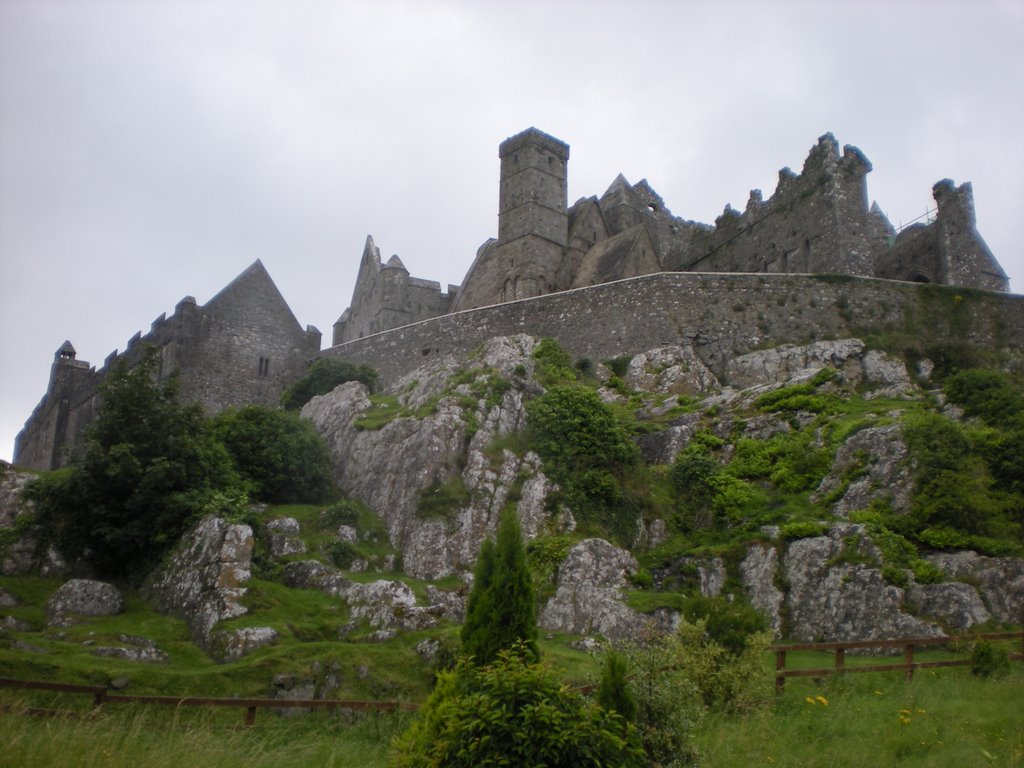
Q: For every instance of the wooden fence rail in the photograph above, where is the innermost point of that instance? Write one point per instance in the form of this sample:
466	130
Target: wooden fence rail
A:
907	666
102	696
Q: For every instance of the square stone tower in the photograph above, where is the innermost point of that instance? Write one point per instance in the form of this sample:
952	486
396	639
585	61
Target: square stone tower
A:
533	222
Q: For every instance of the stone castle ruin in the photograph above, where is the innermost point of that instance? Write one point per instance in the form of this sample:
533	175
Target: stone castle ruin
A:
607	276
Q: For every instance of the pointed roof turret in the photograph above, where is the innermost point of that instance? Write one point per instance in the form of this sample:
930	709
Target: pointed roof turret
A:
395	263
65	351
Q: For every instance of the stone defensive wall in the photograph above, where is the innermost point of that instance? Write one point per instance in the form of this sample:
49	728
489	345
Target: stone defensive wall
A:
721	314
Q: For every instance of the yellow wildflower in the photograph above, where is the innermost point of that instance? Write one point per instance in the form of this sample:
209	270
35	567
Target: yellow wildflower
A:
904	720
905	712
823	701
809	700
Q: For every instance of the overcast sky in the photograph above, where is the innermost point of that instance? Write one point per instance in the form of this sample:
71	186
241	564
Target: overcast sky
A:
151	149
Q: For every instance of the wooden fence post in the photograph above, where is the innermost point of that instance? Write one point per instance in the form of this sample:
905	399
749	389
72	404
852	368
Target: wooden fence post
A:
780	666
840	660
908	660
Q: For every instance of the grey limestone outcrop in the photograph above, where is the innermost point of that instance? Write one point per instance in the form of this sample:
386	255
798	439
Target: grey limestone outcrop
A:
877	458
391	468
203	579
588	598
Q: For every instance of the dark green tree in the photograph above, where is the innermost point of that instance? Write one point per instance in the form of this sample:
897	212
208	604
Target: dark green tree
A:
613	693
280	455
324	375
501	613
149	468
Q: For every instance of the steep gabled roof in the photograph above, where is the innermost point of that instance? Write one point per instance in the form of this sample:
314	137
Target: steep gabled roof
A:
253	286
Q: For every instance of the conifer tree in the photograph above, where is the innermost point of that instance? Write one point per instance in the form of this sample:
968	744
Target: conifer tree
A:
500	612
613	693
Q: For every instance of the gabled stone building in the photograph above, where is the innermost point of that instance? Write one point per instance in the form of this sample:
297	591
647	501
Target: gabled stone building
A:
243	347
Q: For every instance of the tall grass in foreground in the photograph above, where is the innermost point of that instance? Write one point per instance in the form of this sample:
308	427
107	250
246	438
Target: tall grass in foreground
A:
941	719
156	738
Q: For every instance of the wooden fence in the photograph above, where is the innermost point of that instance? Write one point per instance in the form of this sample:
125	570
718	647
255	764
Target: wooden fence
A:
101	695
907	666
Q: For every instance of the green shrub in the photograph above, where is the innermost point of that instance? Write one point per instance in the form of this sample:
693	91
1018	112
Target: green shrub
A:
554	366
149	468
325	374
514	713
802	529
990	395
619	365
588	454
728	623
283	457
342	554
988	660
926	573
895	576
342	512
668	702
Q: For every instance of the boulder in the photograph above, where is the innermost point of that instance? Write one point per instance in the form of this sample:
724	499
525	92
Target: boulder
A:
790	361
149	655
588	598
957	605
1000	581
202	581
82	597
283	537
758	575
672	369
233	645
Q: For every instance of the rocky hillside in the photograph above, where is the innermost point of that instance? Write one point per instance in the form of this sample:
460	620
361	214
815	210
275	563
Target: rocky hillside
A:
827	485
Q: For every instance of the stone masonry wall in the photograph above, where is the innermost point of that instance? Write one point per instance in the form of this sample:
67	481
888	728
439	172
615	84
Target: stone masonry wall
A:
722	315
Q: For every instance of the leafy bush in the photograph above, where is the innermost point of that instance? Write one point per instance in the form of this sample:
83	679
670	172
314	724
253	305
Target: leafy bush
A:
726	679
587	453
668	704
149	468
988	660
514	713
989	395
342	554
282	456
801	529
953	488
728	623
325	374
619	365
554	366
341	512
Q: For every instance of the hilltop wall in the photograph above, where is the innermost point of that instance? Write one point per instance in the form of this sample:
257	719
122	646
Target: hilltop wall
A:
721	315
